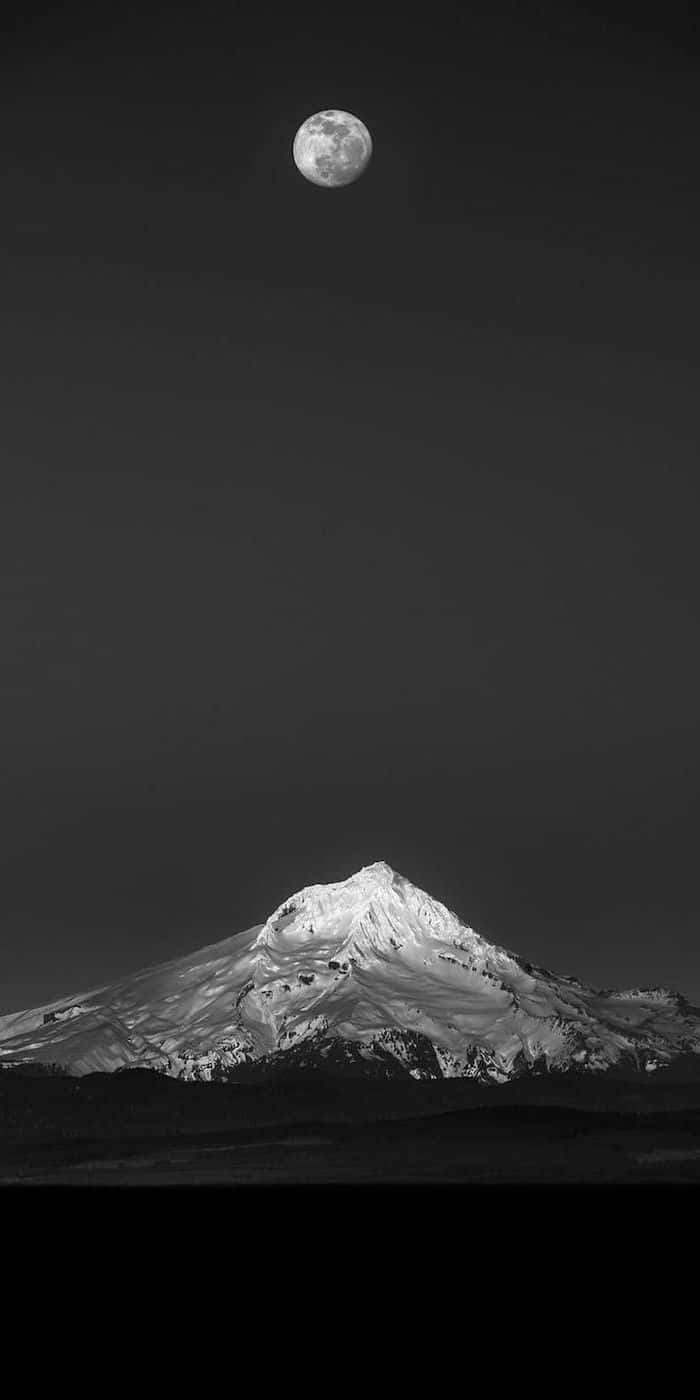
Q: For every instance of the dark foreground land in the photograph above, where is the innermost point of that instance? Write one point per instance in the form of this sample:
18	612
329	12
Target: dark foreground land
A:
140	1128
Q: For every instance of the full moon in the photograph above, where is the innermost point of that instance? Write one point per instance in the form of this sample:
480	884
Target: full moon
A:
332	148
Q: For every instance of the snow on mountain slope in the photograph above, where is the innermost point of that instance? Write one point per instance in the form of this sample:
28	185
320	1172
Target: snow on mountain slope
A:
370	969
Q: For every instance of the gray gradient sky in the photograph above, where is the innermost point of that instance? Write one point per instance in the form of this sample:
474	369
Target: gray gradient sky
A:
348	525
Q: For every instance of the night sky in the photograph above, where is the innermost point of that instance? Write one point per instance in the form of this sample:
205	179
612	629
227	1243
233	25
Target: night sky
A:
348	525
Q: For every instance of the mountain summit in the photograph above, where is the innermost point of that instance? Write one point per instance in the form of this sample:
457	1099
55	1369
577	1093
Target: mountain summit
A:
369	975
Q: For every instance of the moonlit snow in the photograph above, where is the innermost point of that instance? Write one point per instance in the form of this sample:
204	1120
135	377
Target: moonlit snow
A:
369	969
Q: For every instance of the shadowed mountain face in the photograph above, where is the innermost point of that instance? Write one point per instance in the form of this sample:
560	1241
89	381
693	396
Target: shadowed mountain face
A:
367	976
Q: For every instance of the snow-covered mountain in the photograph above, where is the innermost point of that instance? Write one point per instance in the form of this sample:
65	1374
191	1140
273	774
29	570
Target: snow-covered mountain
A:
368	974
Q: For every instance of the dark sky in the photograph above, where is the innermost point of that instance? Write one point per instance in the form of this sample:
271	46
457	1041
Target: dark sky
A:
348	525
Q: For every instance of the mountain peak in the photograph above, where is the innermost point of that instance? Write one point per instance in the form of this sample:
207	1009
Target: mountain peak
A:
377	875
373	878
374	910
379	870
367	883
